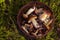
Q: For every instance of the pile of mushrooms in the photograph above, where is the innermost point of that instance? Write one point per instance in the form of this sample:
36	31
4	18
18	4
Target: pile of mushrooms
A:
35	15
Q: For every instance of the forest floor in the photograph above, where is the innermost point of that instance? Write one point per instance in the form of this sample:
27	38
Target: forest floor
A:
8	19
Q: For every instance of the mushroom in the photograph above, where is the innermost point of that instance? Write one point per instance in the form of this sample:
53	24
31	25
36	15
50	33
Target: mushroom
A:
29	27
38	10
25	26
28	12
50	22
25	29
45	17
47	25
35	32
34	22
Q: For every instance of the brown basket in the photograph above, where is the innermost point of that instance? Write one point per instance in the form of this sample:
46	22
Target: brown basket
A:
23	10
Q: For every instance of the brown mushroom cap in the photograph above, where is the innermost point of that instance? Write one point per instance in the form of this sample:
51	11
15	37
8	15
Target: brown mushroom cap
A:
45	15
32	17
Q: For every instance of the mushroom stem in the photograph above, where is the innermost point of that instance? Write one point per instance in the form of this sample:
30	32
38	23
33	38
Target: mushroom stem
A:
25	29
34	22
47	25
35	32
29	12
50	22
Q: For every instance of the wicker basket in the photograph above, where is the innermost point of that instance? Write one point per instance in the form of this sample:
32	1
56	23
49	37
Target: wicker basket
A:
24	9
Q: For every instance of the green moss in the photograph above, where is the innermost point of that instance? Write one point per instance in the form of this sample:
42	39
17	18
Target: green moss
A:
2	1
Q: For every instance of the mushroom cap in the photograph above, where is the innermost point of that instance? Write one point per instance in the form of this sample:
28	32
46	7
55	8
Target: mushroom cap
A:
38	10
44	16
31	18
25	16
